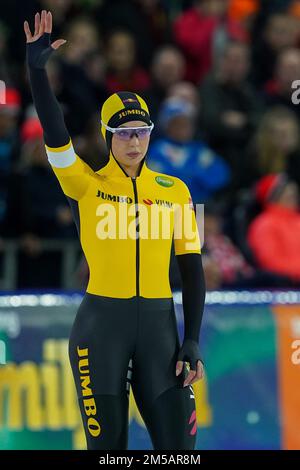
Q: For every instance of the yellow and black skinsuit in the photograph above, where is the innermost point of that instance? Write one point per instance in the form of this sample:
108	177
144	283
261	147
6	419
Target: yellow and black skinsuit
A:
125	330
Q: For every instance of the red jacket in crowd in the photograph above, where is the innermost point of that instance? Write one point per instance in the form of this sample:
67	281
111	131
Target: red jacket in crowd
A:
194	33
137	82
274	237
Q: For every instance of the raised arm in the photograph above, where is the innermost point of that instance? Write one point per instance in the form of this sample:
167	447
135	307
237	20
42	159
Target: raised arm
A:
38	51
73	174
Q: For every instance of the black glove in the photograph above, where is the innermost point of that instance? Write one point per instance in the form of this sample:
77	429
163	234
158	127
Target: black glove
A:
39	51
189	352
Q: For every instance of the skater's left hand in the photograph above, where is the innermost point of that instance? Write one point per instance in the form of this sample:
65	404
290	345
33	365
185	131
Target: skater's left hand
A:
190	353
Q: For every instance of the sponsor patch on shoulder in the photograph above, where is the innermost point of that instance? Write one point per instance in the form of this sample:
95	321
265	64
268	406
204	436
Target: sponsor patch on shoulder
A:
163	181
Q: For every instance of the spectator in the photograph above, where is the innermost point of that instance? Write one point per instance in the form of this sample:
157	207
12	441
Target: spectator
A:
278	90
225	265
188	92
147	20
229	107
201	31
275	147
185	91
177	153
82	38
94	66
80	92
123	72
274	235
222	256
167	70
280	32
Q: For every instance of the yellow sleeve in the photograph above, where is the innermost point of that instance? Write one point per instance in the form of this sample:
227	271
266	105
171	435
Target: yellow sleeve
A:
186	233
73	174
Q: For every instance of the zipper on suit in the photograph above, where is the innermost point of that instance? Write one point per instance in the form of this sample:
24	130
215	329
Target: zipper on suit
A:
137	228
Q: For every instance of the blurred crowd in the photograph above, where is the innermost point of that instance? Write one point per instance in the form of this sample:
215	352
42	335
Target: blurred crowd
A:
218	78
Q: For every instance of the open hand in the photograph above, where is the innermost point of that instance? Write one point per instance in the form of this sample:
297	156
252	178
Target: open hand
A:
42	24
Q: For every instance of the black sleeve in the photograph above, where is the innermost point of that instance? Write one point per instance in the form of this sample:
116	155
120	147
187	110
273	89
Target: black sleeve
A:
48	109
193	293
47	106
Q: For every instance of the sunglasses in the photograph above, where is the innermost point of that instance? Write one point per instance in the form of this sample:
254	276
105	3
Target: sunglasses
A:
125	133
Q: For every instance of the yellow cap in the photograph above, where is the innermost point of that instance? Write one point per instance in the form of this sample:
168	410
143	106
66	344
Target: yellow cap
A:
122	107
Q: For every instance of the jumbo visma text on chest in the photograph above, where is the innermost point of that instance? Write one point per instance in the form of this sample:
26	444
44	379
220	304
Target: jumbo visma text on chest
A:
116	217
